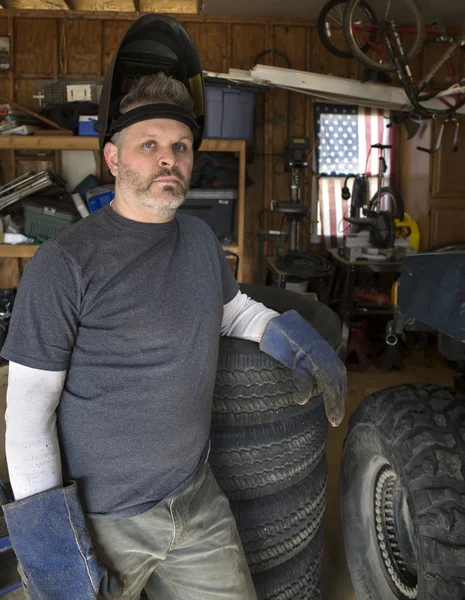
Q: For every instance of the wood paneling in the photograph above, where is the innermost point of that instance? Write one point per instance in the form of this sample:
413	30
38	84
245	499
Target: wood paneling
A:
291	41
80	49
447	225
112	33
38	4
210	39
110	5
25	89
247	41
448	166
35	45
414	183
170	6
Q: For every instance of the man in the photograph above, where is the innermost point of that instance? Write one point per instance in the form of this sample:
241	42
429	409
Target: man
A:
113	348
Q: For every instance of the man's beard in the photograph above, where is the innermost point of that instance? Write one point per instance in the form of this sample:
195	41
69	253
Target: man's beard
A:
164	202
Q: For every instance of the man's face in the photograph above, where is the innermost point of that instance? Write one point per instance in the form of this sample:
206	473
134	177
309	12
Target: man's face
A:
153	164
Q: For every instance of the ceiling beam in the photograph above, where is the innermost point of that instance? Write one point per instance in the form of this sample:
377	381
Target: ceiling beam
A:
182	7
39	4
104	5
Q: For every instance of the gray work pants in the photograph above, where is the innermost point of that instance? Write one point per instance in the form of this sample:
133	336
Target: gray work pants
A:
185	548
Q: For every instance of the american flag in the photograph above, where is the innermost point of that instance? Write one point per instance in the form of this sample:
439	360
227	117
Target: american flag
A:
345	135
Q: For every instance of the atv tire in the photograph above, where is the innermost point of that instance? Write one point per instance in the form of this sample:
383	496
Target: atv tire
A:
403	494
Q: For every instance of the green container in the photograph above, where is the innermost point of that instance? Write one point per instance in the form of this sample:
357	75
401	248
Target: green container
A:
46	218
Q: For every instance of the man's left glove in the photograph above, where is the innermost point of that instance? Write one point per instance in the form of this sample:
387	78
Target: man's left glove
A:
291	340
50	538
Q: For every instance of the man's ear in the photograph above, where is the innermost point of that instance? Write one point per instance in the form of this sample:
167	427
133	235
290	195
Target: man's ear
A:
110	152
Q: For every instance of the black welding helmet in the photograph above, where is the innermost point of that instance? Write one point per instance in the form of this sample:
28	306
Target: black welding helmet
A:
153	43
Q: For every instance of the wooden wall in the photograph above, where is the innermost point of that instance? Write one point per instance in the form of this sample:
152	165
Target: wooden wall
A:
69	45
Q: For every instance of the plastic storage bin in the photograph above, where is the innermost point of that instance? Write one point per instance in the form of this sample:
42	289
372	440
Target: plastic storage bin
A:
229	112
45	219
215	207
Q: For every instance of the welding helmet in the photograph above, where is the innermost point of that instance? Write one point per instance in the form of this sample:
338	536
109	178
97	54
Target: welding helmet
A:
153	43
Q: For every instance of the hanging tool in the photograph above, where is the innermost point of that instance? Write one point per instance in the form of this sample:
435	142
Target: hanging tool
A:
455	145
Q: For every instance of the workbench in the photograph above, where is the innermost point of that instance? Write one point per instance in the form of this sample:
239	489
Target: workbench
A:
347	270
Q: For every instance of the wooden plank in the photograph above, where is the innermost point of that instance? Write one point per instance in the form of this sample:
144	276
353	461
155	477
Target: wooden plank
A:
291	41
76	142
18	250
448	179
25	89
209	40
226	48
247	41
241	212
7	166
80	48
49	5
118	15
113	32
447	224
414	178
34	46
181	7
105	5
9	271
310	186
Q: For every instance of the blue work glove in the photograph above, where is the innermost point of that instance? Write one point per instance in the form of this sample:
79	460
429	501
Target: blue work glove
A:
291	340
49	535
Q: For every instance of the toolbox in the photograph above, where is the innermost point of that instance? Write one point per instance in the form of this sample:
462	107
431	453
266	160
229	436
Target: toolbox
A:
44	217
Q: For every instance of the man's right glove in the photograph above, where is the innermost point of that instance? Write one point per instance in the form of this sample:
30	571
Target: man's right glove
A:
49	535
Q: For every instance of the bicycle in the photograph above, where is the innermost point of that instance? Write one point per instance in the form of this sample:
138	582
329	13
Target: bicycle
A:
379	46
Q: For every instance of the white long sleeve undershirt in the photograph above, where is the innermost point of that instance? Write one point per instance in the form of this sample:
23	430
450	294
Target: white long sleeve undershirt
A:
32	448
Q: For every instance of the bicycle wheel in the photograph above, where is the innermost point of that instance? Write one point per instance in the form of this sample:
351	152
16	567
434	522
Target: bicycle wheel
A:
388	199
358	32
329	27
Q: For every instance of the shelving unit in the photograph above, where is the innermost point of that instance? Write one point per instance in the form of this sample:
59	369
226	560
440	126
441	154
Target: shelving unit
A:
22	252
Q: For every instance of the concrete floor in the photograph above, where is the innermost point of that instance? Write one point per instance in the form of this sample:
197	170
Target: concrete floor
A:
336	584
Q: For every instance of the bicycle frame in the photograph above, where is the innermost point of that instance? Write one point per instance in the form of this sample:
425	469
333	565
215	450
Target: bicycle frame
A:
399	57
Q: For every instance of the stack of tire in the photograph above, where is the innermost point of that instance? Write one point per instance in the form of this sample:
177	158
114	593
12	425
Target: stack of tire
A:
268	456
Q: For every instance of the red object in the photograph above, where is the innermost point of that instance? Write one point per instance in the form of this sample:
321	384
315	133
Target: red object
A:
371	295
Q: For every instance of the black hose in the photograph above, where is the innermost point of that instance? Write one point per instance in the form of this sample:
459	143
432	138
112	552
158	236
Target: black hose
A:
305	265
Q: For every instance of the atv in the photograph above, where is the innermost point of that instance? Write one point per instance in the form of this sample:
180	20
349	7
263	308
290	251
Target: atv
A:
403	466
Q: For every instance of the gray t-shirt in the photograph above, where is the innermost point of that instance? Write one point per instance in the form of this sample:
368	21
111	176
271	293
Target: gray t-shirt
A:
133	312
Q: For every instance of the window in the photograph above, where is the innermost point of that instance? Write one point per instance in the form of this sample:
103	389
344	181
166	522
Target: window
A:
345	135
